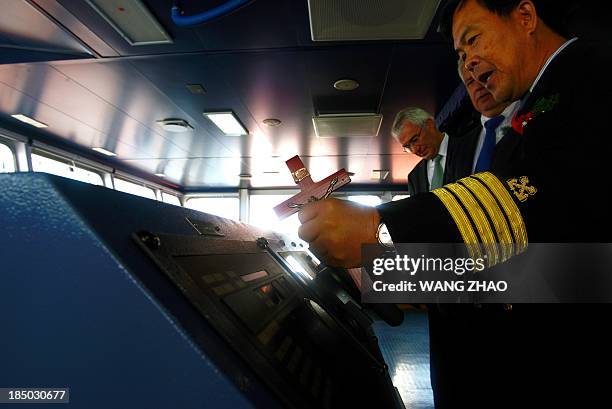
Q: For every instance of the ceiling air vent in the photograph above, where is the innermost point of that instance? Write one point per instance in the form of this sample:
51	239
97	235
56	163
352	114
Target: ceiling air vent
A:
344	20
347	126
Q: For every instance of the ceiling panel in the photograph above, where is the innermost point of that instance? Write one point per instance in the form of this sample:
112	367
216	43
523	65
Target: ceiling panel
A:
184	39
263	25
24	26
367	64
122	85
255	62
171	74
75	113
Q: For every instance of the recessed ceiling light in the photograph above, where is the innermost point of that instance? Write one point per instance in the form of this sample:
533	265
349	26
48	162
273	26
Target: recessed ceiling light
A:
104	151
227	123
29	121
196	89
272	122
346	84
161	175
174	125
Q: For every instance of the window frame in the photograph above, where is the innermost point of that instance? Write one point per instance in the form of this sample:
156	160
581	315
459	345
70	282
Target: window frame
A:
166	192
10	145
137	182
211	195
66	161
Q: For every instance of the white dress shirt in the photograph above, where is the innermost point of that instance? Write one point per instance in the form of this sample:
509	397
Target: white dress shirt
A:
508	113
432	162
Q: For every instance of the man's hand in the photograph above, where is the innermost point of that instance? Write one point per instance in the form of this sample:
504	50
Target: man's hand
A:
335	230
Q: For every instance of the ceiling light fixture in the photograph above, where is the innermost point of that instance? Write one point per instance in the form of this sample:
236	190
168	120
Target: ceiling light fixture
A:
175	125
347	125
132	20
227	122
161	175
197	89
104	151
29	121
346	84
272	121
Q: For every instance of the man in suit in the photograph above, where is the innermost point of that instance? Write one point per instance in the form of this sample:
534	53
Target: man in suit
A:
545	184
475	152
415	129
447	159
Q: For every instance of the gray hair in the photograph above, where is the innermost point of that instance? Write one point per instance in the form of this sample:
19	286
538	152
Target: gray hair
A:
414	115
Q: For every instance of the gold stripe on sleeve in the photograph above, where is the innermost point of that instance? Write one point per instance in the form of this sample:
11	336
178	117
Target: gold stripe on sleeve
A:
461	221
509	206
480	220
504	235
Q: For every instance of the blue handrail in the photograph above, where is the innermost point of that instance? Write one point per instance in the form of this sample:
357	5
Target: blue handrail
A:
207	15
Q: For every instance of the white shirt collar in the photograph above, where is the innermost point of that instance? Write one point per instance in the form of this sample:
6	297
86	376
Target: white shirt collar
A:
507	113
443	146
552	57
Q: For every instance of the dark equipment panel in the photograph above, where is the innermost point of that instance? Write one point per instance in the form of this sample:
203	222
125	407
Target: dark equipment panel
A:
277	324
168	307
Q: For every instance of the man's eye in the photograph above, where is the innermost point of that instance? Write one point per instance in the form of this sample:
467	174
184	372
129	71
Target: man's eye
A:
472	39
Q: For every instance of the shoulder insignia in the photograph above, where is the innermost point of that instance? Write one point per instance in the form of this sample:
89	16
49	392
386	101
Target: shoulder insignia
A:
521	189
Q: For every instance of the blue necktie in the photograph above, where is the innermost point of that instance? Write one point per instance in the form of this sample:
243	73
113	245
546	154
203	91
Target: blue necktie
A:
486	153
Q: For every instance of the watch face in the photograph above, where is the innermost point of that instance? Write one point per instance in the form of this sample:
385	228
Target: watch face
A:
383	234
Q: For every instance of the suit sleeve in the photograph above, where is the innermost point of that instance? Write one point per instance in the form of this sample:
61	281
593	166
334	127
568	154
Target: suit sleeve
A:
482	210
411	186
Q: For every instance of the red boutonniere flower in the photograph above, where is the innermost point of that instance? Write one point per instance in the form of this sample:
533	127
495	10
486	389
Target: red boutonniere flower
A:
520	121
542	105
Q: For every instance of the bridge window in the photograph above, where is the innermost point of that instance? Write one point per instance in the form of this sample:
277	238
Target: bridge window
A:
134	188
7	159
171	199
399	197
262	215
68	170
228	207
367	200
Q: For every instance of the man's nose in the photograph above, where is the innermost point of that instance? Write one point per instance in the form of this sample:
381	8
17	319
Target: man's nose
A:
472	64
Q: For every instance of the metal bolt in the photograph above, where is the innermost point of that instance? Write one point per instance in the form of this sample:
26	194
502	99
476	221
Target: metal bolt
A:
150	240
262	243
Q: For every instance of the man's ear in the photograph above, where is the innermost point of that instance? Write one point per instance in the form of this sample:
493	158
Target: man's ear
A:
430	124
527	16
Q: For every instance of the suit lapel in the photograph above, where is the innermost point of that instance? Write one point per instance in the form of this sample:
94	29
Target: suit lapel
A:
423	176
417	179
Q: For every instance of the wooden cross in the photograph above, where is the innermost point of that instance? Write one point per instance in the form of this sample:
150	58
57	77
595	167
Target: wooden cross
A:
310	191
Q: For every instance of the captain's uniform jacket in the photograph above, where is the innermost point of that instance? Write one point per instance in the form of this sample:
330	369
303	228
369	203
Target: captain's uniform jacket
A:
549	183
